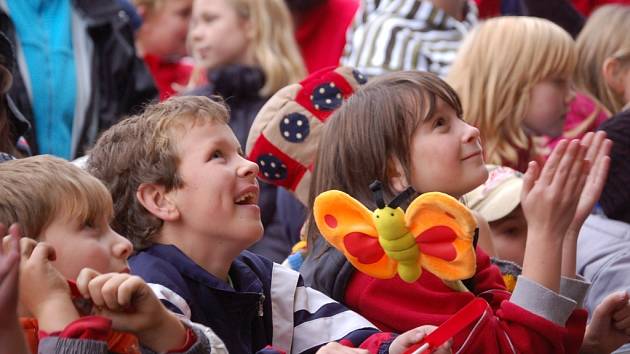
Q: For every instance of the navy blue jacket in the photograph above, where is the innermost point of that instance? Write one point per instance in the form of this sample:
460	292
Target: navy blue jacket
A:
269	304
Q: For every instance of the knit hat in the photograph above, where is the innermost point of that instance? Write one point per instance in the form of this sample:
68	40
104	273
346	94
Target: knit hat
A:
499	195
285	134
615	198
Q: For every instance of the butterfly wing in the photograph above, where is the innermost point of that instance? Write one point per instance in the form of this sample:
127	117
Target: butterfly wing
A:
444	230
347	225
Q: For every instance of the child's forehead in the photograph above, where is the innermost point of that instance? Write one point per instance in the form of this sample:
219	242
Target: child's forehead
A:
205	132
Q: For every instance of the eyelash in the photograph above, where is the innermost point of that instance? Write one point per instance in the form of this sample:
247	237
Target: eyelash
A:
439	122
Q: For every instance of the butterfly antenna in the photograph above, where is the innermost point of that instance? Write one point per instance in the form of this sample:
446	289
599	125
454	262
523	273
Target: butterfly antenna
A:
401	198
377	188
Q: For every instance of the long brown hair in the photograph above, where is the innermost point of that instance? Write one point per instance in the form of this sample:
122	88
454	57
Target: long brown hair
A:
372	127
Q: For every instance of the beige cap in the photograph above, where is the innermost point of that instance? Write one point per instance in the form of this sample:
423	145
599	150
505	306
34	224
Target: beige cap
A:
499	195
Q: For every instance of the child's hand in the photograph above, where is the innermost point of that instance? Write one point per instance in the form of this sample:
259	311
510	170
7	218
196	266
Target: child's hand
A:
131	305
597	155
9	273
549	197
610	326
549	200
411	337
336	348
43	290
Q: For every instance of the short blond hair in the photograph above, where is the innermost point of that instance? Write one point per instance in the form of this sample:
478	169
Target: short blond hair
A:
37	190
143	149
494	72
605	35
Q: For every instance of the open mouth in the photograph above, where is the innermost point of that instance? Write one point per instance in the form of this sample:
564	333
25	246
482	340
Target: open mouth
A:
245	199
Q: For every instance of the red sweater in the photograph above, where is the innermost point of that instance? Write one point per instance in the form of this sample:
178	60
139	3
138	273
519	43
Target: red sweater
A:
394	305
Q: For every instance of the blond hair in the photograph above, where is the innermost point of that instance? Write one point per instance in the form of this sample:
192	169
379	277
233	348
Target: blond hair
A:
150	5
274	46
143	149
494	72
36	190
605	35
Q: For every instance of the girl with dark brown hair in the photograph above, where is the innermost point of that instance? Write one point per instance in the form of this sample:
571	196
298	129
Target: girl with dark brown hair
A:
406	130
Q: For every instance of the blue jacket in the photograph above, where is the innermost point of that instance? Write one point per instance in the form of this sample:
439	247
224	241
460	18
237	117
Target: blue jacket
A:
269	304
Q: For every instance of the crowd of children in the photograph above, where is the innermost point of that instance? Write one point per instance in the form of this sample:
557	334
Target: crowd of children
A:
159	240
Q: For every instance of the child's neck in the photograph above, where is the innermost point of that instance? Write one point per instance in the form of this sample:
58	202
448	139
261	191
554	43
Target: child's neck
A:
215	256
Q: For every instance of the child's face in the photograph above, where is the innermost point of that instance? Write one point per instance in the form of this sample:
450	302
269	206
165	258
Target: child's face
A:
446	154
509	236
218	35
548	106
79	246
164	31
218	200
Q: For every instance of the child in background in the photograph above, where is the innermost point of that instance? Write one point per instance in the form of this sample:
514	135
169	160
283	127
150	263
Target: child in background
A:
65	212
393	35
603	66
604	239
498	200
249	52
187	198
406	129
513	77
161	41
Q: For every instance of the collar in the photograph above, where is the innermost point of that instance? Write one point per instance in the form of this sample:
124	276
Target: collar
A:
244	279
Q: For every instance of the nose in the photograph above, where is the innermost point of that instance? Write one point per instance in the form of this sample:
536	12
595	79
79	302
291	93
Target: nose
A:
121	247
247	168
194	32
471	133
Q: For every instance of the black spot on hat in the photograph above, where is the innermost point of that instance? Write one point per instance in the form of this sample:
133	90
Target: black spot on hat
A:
361	79
272	168
294	127
326	97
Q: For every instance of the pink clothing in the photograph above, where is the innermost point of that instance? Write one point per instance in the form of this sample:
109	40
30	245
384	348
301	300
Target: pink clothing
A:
584	116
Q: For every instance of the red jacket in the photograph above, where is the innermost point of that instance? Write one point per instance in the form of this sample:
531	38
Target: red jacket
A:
394	305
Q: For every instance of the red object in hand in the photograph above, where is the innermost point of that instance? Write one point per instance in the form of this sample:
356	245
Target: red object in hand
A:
460	320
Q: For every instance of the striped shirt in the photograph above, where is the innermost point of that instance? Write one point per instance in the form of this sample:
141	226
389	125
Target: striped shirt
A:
393	35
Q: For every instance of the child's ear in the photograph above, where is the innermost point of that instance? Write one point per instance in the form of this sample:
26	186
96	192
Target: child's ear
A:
157	201
396	176
611	70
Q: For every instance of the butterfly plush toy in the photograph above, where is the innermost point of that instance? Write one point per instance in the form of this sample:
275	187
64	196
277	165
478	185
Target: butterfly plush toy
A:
436	234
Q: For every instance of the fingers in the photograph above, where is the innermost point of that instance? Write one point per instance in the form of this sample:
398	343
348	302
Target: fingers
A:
43	251
529	179
610	304
130	289
548	171
84	278
114	291
564	170
27	246
575	173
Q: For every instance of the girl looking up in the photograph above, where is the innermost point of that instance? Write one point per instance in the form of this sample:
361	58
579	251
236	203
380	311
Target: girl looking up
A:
406	130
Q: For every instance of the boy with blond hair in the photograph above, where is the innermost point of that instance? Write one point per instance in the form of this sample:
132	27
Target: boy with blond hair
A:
187	199
65	214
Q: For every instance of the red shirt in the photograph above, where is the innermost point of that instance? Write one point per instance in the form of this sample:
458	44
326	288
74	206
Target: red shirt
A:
394	305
